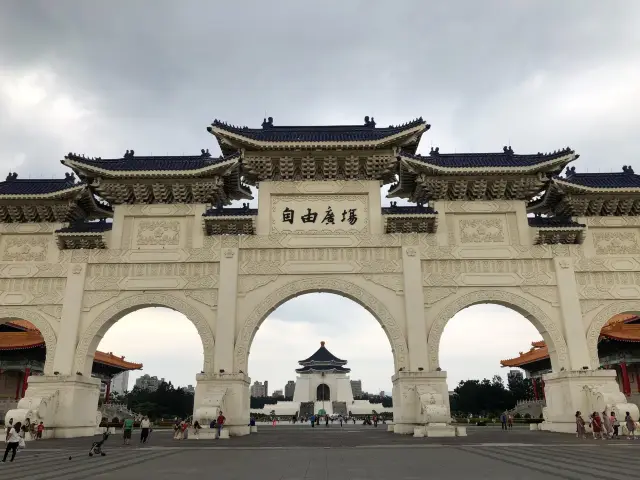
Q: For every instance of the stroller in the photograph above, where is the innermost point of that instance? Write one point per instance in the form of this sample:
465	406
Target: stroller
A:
96	447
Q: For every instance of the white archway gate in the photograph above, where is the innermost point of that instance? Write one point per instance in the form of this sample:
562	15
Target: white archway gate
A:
319	227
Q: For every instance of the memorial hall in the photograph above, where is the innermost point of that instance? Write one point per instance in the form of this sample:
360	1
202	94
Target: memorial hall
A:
526	230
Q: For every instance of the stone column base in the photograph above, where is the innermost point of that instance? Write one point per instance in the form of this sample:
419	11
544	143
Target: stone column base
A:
226	392
585	391
419	398
66	404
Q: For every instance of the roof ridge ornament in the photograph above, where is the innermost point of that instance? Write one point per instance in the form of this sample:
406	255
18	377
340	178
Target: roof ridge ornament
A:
434	151
267	122
507	149
570	171
70	178
12	176
371	123
627	169
205	153
128	154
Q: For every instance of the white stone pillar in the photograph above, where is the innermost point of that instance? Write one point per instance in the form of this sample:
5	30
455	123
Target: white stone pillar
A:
414	310
71	310
573	327
227	310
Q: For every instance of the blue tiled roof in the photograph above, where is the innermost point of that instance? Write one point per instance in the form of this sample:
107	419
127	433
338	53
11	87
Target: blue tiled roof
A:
323	368
625	179
553	222
15	186
322	355
132	163
230	212
485	160
407	209
328	133
86	227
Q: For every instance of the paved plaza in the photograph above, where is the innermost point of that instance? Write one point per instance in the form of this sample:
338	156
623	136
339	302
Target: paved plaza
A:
354	452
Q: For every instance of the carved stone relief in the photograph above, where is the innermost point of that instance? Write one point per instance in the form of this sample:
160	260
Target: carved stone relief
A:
247	284
32	291
88	340
158	233
308	260
392	282
321	284
134	276
207	297
435	294
603	285
616	243
91	299
487	272
517	302
548	294
479	207
482	230
587	306
333	186
20	248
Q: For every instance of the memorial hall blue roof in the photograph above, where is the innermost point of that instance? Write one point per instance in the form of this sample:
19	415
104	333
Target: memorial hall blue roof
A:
407	210
553	222
323	356
132	163
231	212
323	368
323	133
87	227
505	159
625	179
17	186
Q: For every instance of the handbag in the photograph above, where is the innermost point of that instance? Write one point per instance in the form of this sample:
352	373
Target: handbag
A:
21	443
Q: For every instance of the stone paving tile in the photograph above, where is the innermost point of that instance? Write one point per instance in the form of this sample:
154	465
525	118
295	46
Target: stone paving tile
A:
362	453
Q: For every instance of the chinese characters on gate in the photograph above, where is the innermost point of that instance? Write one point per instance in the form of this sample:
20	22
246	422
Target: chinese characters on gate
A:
348	215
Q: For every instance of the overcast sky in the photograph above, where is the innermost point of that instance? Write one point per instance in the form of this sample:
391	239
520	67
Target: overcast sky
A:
102	77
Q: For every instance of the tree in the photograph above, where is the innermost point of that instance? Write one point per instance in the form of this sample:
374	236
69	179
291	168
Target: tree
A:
481	397
521	388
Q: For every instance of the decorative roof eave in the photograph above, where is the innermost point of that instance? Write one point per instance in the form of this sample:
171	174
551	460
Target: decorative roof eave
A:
243	141
230	225
314	370
419	164
525	358
410	222
566	186
222	167
559	235
114	361
81	240
57	195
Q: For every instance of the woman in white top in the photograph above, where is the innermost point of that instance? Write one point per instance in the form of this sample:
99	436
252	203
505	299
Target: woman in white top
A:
13	440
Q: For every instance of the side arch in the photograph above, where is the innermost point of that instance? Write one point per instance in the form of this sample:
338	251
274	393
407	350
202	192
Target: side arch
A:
526	308
45	328
600	320
327	285
91	336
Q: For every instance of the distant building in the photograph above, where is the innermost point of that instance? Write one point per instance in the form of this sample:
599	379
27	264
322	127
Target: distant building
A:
190	389
266	388
382	394
289	389
356	388
145	382
258	389
514	375
277	393
120	383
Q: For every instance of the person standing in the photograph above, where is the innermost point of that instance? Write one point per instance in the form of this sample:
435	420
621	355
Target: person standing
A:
145	426
510	421
326	420
13	441
40	431
312	418
127	430
596	425
220	423
631	426
580	430
503	421
615	423
340	417
607	428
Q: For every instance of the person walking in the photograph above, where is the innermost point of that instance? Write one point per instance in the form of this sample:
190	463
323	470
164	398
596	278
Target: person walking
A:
13	441
615	423
580	430
631	426
196	430
341	419
145	426
326	420
503	421
510	421
177	432
596	425
312	419
40	431
127	430
607	428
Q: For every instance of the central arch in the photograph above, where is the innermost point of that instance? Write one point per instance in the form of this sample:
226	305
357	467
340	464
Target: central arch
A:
43	326
323	393
91	336
527	309
321	285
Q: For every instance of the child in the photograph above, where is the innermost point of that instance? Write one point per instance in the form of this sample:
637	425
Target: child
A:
40	431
